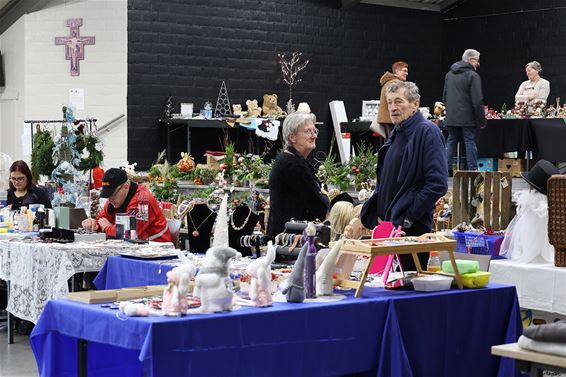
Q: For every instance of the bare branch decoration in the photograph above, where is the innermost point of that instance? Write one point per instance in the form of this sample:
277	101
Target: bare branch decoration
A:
290	68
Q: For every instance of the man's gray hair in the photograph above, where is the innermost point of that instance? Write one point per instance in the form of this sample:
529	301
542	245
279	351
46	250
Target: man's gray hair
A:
293	122
534	65
470	54
411	90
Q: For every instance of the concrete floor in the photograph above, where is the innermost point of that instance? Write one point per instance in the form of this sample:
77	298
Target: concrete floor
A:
17	360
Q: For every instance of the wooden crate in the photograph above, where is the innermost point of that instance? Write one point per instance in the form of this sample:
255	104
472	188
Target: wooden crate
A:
496	198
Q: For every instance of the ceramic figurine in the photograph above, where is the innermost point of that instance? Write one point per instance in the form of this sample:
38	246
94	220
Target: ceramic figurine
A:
213	284
175	294
295	289
325	273
260	283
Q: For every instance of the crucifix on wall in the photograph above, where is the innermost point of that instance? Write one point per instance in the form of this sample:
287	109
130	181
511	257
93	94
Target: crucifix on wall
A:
74	44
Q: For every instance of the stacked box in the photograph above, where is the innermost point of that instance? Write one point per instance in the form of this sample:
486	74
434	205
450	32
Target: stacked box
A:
487	164
513	166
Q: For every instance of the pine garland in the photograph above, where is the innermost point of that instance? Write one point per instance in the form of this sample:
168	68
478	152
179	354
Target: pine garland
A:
41	155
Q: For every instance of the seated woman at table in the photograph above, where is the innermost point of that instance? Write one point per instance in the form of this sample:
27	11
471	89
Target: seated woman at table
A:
294	189
23	191
535	88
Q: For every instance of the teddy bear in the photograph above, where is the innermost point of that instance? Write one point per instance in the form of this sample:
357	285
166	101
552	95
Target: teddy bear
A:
175	294
478	201
213	284
260	283
270	107
237	110
439	110
253	108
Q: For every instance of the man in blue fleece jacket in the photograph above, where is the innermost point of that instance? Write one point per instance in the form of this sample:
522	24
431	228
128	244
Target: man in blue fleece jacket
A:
411	169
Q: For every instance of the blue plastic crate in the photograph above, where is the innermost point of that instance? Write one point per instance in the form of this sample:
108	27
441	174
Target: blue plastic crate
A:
474	243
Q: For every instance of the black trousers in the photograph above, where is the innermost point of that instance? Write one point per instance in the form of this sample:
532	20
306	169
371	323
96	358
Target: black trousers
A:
407	259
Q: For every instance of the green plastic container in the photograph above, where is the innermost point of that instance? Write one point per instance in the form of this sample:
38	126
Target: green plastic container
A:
464	266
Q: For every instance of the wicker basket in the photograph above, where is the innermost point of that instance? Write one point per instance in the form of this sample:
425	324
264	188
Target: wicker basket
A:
557	217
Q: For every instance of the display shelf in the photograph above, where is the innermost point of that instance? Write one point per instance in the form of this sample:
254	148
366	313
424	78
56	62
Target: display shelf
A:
191	187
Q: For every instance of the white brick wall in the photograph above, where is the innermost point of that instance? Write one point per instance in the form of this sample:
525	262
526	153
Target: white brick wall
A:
46	81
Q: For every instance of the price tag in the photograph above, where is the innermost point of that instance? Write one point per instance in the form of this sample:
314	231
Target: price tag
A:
504	182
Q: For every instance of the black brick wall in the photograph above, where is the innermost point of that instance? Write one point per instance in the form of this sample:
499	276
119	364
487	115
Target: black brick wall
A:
186	48
509	34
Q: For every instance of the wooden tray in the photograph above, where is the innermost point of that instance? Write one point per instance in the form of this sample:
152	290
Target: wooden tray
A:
111	295
403	245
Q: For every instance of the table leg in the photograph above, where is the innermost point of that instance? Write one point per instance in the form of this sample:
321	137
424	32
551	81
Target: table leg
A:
188	139
455	268
417	262
82	348
169	141
10	324
10	319
364	277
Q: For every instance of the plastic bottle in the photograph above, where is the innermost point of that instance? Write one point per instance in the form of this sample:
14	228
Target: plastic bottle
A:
31	217
22	219
433	264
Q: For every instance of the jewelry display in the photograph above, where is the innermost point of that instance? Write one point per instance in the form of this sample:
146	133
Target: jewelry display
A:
244	223
195	232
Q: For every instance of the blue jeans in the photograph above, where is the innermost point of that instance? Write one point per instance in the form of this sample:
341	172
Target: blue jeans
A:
468	136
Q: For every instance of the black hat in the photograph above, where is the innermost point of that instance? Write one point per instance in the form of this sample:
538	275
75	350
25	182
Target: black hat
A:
539	174
342	197
111	180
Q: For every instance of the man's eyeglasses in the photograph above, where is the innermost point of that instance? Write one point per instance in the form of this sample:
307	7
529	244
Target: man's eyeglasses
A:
311	132
115	193
17	179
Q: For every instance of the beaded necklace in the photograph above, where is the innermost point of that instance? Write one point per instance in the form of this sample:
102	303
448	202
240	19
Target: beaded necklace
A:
245	221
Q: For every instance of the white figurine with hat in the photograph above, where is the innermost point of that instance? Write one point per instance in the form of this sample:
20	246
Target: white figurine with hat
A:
526	237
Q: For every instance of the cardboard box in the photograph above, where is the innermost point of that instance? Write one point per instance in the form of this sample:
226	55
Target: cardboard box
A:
214	159
513	166
69	218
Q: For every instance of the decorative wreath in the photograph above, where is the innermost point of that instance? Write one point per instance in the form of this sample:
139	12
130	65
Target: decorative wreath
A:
93	147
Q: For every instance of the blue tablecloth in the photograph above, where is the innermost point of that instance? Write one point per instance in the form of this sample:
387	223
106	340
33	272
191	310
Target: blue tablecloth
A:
385	333
123	272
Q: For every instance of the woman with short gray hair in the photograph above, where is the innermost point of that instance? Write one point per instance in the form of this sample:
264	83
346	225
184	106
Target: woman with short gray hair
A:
294	189
535	88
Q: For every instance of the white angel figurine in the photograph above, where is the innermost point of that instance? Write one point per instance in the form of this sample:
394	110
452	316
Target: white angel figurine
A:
325	273
260	283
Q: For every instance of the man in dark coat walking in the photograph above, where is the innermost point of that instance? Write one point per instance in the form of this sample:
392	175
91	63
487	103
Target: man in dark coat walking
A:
411	170
464	107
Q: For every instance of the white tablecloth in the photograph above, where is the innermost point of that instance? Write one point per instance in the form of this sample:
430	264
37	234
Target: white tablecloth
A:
540	286
39	272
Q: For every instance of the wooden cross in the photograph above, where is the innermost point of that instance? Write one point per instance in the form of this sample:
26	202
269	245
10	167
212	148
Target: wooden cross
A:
74	44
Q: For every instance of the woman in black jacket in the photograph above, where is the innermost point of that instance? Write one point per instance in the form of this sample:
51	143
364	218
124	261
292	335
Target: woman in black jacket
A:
23	191
294	190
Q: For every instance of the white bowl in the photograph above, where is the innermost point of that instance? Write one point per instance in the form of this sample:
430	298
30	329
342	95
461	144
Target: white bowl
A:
432	283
